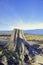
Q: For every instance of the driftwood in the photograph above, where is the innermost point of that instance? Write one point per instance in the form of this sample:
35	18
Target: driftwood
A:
15	50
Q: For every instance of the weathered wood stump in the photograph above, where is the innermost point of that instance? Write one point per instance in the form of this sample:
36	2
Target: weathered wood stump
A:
17	46
17	43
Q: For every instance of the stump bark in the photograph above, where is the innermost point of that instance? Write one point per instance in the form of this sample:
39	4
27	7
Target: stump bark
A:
17	45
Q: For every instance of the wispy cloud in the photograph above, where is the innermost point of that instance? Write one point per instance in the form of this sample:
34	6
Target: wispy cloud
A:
27	26
11	11
21	25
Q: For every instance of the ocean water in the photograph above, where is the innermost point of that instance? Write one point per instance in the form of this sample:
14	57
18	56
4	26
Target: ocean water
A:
36	31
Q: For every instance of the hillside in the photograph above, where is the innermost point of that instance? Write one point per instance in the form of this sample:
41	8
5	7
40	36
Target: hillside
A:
36	31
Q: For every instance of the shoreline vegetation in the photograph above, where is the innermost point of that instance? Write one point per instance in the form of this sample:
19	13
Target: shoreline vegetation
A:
29	37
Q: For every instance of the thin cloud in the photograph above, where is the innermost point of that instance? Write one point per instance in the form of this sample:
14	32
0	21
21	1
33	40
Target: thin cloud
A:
28	26
20	24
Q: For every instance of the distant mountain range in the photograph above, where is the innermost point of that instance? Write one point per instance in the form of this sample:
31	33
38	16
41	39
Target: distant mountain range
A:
36	31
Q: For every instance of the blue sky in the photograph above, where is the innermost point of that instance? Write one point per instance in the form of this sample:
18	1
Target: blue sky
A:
25	14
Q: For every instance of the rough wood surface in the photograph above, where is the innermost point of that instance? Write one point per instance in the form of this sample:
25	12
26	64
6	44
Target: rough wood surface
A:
17	44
